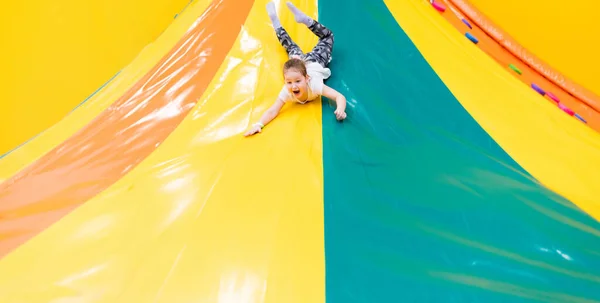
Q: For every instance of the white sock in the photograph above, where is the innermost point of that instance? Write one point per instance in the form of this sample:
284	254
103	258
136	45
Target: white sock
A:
300	16
272	11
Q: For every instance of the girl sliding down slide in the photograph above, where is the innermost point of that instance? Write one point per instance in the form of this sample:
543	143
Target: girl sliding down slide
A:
303	73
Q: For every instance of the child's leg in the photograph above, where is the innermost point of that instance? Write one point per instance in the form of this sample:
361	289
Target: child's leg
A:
284	38
286	41
322	51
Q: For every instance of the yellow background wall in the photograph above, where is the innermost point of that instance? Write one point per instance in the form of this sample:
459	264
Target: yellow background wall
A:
562	33
55	54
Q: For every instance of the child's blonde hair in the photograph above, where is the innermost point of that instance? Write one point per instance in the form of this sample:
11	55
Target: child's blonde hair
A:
295	64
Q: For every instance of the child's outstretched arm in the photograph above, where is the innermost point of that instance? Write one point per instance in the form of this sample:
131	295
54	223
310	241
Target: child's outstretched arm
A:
340	100
267	117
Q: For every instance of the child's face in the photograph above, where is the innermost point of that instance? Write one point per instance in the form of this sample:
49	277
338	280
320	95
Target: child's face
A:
296	84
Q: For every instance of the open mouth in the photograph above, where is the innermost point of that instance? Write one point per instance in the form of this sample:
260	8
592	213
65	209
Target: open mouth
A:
296	92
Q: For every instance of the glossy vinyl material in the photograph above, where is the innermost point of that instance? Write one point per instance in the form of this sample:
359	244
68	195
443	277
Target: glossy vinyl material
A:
558	32
421	202
507	51
556	149
209	215
56	53
44	142
125	133
450	180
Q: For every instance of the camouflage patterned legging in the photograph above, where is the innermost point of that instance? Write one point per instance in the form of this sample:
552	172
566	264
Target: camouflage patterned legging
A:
321	53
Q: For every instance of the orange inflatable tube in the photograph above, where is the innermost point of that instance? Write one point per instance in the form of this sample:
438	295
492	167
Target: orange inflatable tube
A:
531	69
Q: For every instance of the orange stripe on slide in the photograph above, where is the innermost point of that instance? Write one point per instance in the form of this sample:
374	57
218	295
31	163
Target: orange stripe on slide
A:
585	96
123	135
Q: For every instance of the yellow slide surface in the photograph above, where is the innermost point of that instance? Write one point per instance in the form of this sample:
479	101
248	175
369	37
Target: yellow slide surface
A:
171	212
561	33
100	101
57	53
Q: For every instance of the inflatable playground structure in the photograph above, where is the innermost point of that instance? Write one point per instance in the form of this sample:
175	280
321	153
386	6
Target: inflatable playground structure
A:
466	170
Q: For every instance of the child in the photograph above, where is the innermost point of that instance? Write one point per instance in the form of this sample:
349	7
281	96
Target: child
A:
303	73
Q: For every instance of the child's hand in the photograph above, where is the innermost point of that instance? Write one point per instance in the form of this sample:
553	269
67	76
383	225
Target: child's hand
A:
340	114
254	130
340	100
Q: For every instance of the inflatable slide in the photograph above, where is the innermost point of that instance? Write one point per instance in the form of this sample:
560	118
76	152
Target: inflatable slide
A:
466	170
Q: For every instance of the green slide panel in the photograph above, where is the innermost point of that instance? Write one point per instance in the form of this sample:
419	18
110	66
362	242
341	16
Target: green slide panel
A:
421	205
